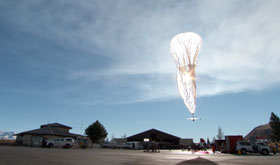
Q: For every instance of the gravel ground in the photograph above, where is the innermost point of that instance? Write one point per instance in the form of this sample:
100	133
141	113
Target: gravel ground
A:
27	155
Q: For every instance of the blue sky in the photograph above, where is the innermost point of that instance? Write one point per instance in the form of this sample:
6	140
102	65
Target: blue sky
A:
75	62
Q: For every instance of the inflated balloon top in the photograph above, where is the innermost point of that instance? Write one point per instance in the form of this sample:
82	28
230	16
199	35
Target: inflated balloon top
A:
185	48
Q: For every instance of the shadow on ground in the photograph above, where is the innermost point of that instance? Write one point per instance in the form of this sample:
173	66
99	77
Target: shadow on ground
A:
197	161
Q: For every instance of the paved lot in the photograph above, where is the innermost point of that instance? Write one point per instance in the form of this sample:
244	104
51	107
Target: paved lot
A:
27	155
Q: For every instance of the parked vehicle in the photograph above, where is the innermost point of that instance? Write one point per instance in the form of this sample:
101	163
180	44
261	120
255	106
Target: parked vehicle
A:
83	143
120	146
133	145
111	144
258	147
61	142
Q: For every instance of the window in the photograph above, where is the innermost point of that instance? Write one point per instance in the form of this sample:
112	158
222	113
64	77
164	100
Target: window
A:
146	139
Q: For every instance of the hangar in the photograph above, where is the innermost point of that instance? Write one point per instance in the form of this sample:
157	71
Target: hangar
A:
165	140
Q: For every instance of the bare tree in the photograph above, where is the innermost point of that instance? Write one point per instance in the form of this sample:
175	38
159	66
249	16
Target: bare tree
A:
213	140
220	134
113	137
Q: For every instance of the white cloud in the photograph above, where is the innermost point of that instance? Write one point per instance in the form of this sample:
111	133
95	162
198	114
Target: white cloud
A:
239	53
243	51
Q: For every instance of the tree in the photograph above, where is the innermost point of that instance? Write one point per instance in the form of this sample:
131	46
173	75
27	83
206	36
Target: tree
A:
113	137
208	141
96	132
213	140
274	123
220	134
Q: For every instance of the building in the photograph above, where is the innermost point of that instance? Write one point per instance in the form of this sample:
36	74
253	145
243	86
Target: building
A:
260	132
49	131
120	140
165	140
231	141
186	142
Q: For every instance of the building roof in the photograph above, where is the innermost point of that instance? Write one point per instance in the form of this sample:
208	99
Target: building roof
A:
148	133
56	125
49	129
260	131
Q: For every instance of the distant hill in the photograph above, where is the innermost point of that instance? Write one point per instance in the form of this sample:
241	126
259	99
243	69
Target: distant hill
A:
7	135
260	131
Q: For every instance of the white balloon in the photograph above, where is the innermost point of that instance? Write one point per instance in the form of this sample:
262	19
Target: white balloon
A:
185	48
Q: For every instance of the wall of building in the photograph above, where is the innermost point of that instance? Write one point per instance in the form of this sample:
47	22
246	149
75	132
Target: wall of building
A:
26	139
186	142
37	140
51	137
34	140
120	140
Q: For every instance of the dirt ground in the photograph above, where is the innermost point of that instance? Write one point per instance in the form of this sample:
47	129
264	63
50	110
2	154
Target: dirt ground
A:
27	155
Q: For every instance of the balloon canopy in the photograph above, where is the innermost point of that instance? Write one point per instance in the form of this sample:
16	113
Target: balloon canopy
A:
185	48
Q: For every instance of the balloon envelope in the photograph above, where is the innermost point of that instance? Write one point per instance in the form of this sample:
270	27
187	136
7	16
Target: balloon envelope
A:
185	48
